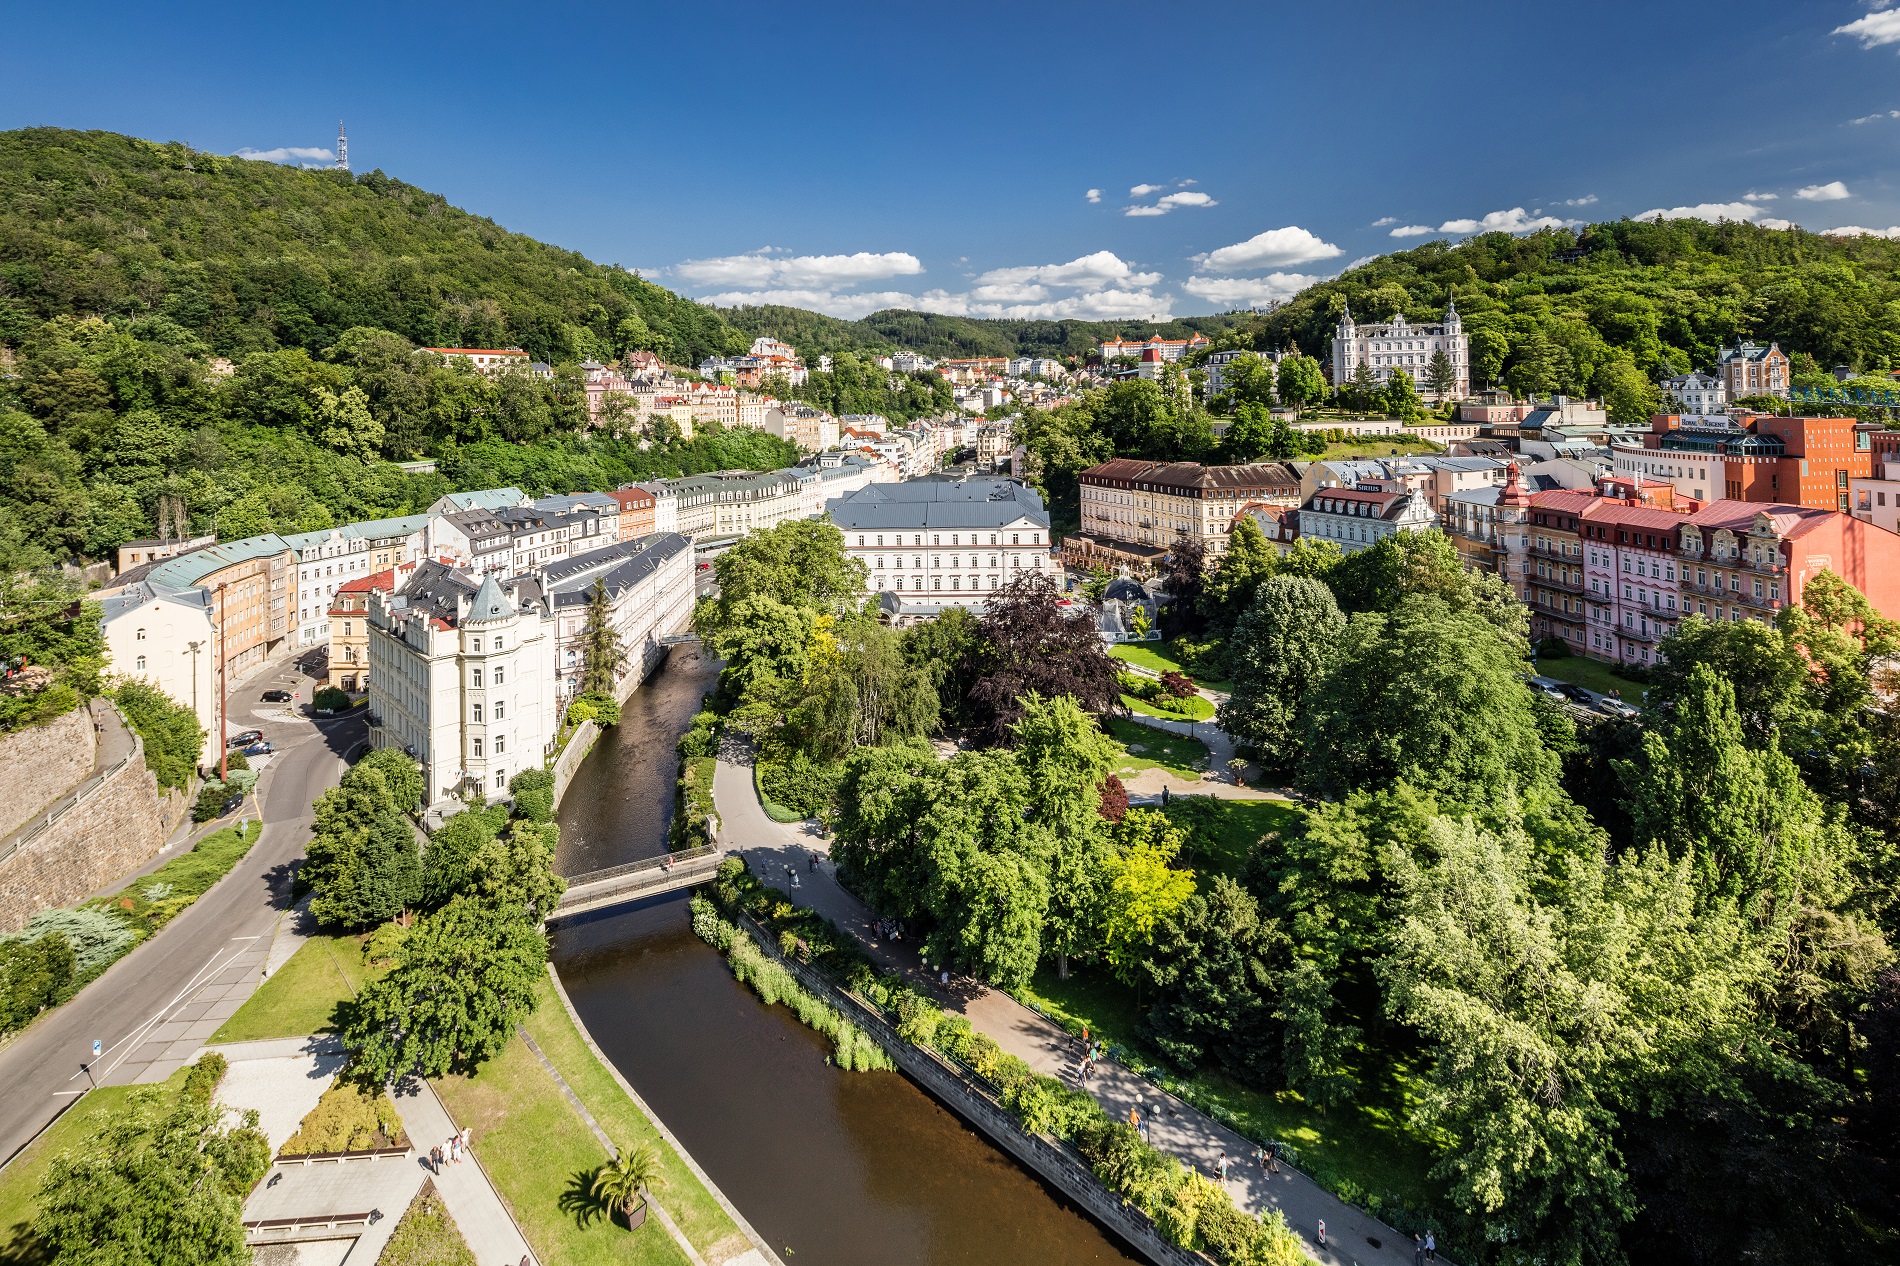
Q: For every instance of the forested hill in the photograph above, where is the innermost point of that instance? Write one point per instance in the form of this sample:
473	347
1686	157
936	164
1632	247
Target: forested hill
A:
934	334
253	256
1577	311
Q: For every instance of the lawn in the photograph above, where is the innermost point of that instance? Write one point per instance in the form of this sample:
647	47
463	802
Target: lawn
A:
1222	833
1158	657
303	996
20	1181
1363	1148
1379	446
1591	674
1176	753
541	1154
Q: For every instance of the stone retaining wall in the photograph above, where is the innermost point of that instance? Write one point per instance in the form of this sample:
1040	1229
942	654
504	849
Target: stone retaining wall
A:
572	755
962	1094
40	764
112	830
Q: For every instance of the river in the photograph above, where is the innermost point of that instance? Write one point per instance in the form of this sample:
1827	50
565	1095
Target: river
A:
851	1169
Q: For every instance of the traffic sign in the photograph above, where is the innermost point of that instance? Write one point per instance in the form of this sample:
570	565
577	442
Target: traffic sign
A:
96	1048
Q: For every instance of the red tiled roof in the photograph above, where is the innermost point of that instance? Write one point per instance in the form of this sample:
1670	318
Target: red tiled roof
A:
1622	514
1789	520
1564	500
384	580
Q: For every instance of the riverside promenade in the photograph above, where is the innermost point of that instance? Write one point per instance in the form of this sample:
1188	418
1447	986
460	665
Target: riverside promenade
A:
1353	1236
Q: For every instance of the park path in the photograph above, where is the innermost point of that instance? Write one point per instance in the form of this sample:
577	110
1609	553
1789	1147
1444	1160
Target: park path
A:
471	1199
778	851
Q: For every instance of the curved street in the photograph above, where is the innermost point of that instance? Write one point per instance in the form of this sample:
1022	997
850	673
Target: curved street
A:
148	1004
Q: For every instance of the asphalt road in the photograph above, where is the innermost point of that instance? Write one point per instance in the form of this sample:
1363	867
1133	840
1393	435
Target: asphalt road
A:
41	1069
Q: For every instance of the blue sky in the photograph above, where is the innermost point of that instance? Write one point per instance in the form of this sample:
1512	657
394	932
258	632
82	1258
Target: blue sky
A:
850	157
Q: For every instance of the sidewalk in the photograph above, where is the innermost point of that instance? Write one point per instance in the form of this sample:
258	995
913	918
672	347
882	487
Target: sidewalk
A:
471	1199
1354	1237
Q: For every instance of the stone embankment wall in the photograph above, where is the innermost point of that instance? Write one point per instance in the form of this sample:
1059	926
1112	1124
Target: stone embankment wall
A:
111	829
1059	1166
571	757
43	763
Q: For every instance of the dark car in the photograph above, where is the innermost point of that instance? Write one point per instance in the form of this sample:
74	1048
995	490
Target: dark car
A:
259	748
276	696
231	806
245	739
1575	693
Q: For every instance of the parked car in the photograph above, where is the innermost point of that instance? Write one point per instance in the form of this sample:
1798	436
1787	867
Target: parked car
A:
1575	693
245	739
276	696
260	748
705	567
1616	707
231	806
1547	688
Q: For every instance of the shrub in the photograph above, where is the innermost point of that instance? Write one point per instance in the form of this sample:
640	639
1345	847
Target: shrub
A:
580	711
205	1075
1177	685
602	708
804	786
702	737
1553	648
347	1118
384	944
534	794
171	733
210	802
34	975
427	1235
97	938
774	984
330	699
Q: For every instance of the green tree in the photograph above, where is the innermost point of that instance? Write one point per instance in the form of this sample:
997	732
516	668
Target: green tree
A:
1142	890
362	860
1537	367
464	979
1440	377
621	1184
1429	695
346	424
1247	379
1399	397
1301	382
603	654
1067	760
1251	436
1280	648
159	1183
401	775
449	861
1210	968
170	731
800	563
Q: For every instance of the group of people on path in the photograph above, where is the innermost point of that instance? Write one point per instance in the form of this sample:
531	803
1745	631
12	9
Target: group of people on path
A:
449	1152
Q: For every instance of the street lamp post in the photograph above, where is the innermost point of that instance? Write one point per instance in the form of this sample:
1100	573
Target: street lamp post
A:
224	702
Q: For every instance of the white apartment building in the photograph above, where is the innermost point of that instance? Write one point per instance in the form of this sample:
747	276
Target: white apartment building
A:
1357	518
732	503
1398	344
485	360
167	638
461	677
332	557
649	584
812	430
1697	392
1217	362
936	543
475	539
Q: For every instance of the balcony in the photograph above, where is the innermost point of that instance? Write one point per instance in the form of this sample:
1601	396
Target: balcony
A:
1569	554
1554	611
1574	585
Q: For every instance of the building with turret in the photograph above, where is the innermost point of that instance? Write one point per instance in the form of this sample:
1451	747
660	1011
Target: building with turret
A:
1399	344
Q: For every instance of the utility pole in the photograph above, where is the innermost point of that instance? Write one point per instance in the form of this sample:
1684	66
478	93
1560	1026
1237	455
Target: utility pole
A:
224	704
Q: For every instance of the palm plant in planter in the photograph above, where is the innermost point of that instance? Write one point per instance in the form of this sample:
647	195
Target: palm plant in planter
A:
620	1186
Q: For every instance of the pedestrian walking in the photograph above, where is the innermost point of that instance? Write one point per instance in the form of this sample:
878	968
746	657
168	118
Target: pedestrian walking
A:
1431	1247
812	861
1418	1250
465	1138
1223	1168
1273	1156
435	1159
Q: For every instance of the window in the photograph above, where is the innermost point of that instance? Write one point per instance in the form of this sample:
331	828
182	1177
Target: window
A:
499	705
501	742
936	582
475	746
498	675
141	635
141	663
475	675
497	647
475	712
501	779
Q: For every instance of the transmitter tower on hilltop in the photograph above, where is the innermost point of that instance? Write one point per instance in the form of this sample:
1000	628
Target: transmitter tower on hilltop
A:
342	148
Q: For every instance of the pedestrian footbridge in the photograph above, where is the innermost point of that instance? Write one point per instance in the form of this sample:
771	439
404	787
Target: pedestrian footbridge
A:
618	885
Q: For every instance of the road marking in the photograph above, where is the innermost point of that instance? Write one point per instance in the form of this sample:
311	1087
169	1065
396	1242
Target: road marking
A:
245	938
132	1040
58	1093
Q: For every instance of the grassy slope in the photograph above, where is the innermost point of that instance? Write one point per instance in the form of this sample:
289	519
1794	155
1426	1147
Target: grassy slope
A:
1175	753
1198	709
1159	657
1591	674
305	994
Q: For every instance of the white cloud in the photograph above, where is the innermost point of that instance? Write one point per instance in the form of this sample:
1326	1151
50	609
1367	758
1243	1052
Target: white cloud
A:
1875	116
1384	220
1710	211
815	272
1360	262
1855	230
1588	199
1093	195
1273	248
1411	230
1875	29
1772	223
1088	273
285	153
1168	202
847	305
1832	191
1516	220
1142	191
1147	211
1760	197
1247	292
